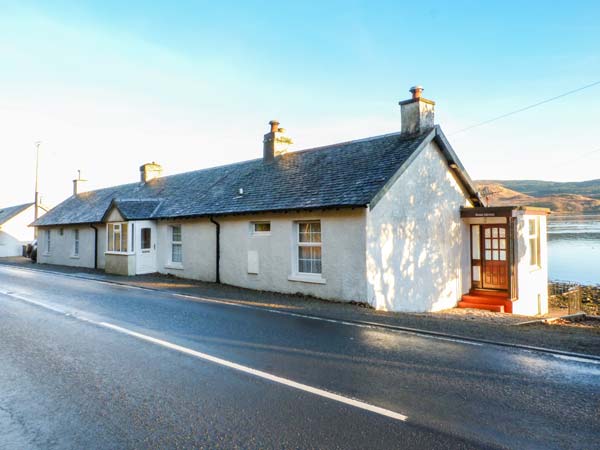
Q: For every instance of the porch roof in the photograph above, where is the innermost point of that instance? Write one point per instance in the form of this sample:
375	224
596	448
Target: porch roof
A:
501	211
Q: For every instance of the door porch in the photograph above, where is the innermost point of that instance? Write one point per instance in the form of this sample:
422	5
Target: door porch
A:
493	276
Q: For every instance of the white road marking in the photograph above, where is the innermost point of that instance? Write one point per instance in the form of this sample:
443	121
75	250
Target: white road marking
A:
575	358
289	313
220	361
256	308
261	374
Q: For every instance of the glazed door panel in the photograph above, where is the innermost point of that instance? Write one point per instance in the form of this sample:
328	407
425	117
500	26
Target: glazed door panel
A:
495	257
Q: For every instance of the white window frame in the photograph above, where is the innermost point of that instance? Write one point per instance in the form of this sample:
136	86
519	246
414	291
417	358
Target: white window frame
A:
296	275
175	264
75	243
534	250
48	241
128	241
255	232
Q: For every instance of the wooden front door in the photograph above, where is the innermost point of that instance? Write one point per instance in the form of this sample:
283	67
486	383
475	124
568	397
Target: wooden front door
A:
495	257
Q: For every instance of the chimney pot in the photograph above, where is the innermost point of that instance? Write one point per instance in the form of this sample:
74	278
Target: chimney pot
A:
275	142
416	92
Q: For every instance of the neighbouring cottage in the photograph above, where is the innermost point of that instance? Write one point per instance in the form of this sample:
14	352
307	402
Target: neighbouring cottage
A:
393	220
15	231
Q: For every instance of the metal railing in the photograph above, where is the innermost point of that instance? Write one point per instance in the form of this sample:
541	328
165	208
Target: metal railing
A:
566	295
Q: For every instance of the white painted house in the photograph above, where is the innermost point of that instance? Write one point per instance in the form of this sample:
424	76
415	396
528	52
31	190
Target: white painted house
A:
15	231
393	220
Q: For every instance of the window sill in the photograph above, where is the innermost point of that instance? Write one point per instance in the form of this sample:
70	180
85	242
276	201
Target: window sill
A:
176	266
46	254
119	253
258	234
307	278
74	256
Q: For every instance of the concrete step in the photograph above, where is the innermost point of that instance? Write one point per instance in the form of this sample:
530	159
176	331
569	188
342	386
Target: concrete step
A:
489	293
485	300
494	308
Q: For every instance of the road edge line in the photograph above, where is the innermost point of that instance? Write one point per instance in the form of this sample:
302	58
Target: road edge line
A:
350	322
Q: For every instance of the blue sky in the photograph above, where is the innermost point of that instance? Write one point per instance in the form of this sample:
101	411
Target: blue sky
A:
107	86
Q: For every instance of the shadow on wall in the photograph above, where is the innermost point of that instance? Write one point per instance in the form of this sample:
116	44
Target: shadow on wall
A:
417	252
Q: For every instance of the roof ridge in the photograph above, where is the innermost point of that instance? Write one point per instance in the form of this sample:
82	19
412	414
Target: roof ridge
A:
353	141
304	150
157	199
22	205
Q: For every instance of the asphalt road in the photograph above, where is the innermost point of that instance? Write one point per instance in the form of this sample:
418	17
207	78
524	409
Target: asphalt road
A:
85	364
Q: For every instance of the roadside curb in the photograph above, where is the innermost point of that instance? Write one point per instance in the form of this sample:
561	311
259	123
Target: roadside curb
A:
577	317
363	323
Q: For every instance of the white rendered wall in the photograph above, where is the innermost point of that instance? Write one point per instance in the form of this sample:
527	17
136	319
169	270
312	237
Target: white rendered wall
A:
532	280
417	245
16	232
62	247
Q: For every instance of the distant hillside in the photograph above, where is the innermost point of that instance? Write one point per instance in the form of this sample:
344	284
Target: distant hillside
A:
536	188
562	198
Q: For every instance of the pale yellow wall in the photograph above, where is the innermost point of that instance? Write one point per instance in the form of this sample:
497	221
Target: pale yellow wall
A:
62	246
115	216
343	250
120	264
343	235
198	253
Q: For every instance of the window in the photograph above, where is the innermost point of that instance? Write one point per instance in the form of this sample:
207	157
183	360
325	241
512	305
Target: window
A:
146	238
48	241
260	227
176	254
309	247
117	237
76	243
533	235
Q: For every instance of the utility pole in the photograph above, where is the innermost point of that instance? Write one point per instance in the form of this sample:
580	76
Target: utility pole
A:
37	193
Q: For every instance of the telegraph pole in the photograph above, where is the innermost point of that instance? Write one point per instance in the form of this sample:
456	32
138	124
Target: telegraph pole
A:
37	193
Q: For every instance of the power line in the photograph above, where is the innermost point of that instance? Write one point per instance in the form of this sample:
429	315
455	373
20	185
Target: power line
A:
485	122
578	158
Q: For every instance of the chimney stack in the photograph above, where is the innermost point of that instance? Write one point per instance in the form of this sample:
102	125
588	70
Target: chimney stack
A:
78	184
275	142
150	171
417	113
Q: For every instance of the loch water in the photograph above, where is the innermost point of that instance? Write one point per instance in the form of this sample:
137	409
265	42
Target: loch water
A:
574	248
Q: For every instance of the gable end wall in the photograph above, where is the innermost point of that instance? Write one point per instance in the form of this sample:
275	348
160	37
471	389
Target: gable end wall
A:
16	232
417	245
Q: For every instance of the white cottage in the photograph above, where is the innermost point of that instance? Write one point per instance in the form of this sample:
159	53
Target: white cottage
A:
15	231
393	220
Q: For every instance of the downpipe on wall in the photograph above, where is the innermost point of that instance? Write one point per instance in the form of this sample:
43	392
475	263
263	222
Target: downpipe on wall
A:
218	250
95	245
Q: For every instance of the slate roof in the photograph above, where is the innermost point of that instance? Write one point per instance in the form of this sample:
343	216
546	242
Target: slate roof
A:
341	175
136	209
9	212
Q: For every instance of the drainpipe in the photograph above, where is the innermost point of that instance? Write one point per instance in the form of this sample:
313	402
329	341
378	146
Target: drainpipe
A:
95	246
218	250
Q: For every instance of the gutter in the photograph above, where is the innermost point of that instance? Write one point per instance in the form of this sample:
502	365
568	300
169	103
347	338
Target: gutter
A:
95	245
457	167
218	250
